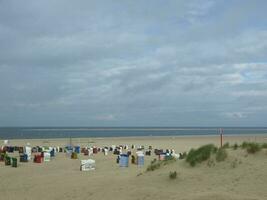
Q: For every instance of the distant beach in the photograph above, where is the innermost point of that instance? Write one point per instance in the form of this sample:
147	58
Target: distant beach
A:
81	132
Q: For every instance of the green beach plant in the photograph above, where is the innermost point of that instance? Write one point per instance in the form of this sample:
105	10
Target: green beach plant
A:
226	145
183	155
153	166
264	146
253	147
173	175
201	154
211	163
244	145
156	164
235	146
234	164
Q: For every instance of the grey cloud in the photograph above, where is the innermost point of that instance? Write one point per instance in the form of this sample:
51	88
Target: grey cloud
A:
122	63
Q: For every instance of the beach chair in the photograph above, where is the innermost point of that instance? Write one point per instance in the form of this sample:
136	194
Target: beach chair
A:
87	165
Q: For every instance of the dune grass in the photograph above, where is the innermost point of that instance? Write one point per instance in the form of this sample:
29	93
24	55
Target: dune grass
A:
156	164
226	145
235	146
251	147
183	155
201	154
153	165
173	175
204	153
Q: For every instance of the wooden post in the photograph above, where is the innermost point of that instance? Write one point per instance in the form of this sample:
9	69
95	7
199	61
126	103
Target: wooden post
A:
221	136
221	139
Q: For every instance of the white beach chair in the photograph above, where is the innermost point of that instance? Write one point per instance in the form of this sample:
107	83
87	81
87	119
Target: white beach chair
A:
87	165
46	156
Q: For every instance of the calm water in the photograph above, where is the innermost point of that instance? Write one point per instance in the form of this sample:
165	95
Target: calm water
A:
62	132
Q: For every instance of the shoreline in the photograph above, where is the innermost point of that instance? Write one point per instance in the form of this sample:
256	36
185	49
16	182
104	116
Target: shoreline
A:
179	143
143	137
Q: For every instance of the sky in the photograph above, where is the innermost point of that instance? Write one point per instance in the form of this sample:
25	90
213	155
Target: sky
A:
133	63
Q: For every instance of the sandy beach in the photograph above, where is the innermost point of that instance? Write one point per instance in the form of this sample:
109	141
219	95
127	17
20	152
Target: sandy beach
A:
61	178
129	100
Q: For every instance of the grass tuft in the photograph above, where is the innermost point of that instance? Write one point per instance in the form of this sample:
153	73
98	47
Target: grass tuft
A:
264	146
156	164
201	154
211	163
153	166
244	145
235	146
234	164
253	147
173	175
183	155
226	145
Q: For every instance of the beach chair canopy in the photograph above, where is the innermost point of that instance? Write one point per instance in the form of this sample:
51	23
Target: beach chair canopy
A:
87	165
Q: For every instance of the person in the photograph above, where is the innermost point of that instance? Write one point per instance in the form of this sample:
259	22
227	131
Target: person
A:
118	159
133	159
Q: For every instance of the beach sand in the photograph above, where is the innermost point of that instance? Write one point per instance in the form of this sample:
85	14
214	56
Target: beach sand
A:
241	176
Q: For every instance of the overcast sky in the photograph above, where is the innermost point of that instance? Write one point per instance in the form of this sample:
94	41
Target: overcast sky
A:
133	63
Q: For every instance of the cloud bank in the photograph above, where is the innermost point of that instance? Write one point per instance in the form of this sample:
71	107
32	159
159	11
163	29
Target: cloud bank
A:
133	63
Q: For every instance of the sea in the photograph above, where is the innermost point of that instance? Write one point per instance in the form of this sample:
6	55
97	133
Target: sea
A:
83	132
